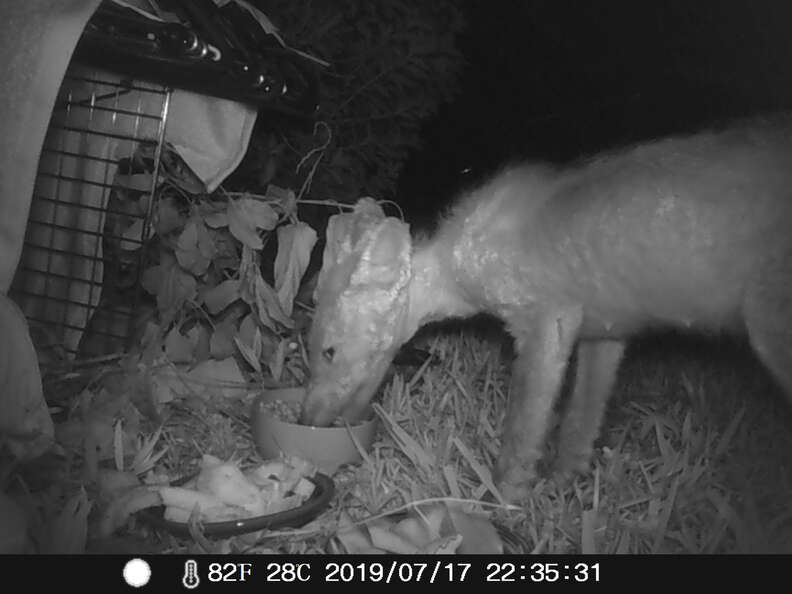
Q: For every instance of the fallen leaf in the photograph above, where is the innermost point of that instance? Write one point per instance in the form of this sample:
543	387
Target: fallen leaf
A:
199	336
171	285
295	242
448	545
178	348
268	305
276	360
258	294
283	196
247	329
248	341
259	212
216	220
479	536
132	238
221	344
195	248
245	232
141	182
384	538
246	216
208	378
221	296
415	531
168	218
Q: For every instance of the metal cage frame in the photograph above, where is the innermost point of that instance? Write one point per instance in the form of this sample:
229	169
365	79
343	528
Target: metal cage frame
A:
99	122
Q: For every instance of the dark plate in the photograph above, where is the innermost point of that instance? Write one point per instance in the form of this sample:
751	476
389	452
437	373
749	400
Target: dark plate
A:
291	518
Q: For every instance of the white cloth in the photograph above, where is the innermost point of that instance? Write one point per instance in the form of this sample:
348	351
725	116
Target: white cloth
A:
37	38
210	134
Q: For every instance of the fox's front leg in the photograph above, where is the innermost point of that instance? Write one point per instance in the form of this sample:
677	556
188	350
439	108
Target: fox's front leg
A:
597	365
544	345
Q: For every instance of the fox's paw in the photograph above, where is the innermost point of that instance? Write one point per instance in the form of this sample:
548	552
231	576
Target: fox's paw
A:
515	482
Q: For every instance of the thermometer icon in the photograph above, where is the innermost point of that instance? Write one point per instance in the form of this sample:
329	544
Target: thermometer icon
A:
190	579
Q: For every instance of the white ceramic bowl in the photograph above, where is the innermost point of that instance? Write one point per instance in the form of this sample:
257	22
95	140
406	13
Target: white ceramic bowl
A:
327	447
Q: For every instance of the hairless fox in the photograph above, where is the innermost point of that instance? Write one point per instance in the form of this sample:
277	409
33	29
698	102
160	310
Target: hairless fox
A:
692	231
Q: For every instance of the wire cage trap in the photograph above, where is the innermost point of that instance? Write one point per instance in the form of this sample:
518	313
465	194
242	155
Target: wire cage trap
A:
77	280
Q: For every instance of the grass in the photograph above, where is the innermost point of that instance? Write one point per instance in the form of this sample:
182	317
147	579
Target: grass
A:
695	456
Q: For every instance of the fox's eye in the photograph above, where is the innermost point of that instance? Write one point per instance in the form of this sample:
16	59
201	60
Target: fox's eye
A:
328	354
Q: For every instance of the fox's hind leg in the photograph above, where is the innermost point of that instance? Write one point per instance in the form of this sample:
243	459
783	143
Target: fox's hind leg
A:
767	310
544	343
597	365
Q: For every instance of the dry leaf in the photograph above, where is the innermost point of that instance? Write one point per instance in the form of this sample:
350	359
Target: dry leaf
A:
195	248
208	378
170	284
132	237
258	294
216	220
141	182
221	344
268	304
167	217
447	545
221	296
383	537
275	358
249	342
415	531
285	197
178	348
352	537
295	243
260	213
242	227
479	536
246	216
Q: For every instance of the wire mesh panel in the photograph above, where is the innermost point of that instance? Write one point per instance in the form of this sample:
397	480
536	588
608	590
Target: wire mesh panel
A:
90	210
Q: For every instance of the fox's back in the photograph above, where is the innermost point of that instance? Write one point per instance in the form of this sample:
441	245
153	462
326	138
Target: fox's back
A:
664	232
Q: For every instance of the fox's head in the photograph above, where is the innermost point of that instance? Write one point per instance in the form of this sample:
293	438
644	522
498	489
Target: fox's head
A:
361	307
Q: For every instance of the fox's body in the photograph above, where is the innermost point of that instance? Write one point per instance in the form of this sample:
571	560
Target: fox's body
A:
692	232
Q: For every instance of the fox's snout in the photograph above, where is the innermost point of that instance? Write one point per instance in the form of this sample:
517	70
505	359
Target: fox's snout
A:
318	412
323	406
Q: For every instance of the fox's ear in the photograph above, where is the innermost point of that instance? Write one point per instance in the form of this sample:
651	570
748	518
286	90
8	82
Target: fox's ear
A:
368	207
345	232
386	255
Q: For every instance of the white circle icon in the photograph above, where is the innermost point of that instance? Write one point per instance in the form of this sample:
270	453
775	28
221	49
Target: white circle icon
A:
137	573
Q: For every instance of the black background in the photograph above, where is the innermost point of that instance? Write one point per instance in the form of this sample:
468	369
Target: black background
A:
554	80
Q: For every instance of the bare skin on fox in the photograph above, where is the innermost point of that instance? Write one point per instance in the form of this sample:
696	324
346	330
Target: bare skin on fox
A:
693	232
